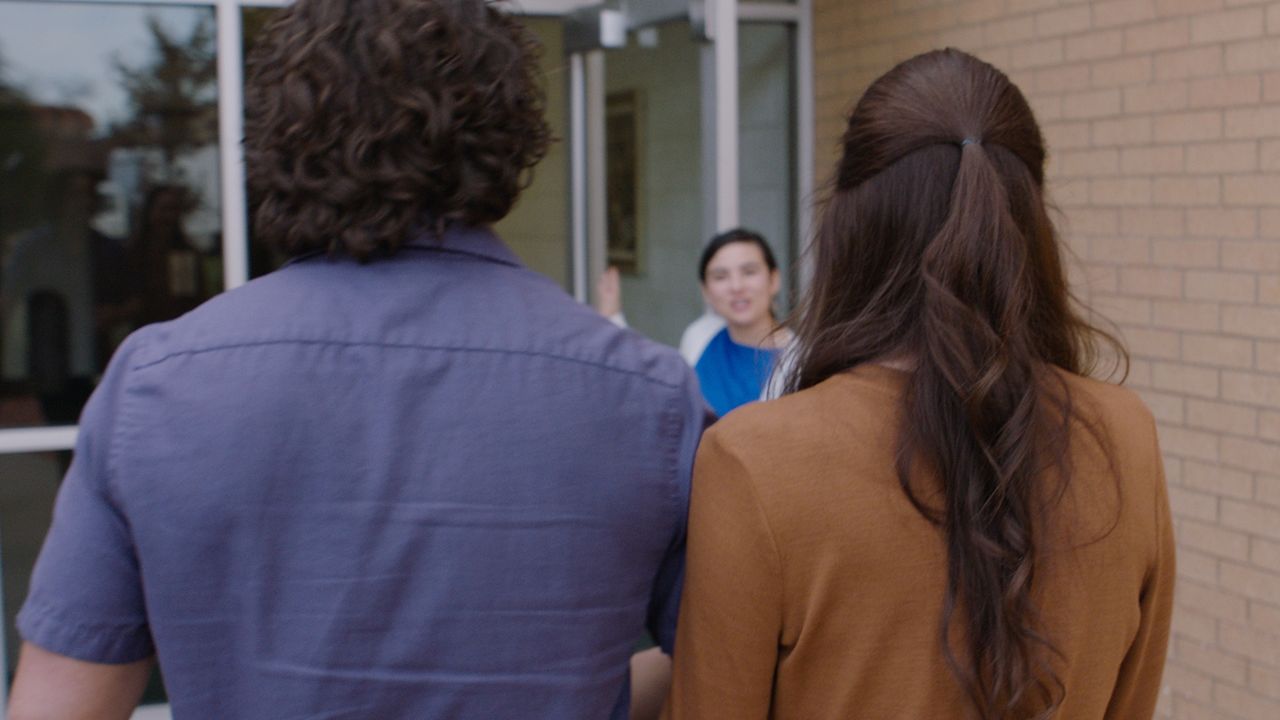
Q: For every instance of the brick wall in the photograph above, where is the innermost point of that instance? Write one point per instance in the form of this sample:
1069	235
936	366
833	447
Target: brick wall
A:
1163	124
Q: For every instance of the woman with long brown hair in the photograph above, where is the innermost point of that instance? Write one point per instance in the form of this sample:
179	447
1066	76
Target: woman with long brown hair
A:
945	518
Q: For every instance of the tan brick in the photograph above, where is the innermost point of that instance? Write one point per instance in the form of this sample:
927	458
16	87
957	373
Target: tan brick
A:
1156	160
1123	131
1120	309
1092	221
1225	91
1265	616
1188	683
1065	136
1218	480
1097	278
1008	30
1187	127
1186	191
1228	25
1087	163
1124	250
1253	55
1189	63
1249	516
1266	682
1265	554
1223	222
1168	8
1183	315
1251	455
1251	388
1151	282
1222	157
1222	417
1270	160
1211	539
1062	78
1139	377
1256	322
1271	87
1211	601
1152	222
1273	19
1198	566
1186	379
1243	703
1249	641
1194	625
1122	72
1258	256
1269	425
1217	351
1255	122
1269	222
1062	21
1194	445
1166	407
1067	193
978	10
1211	661
1267	356
1260	189
1094	45
1123	191
1122	12
1153	344
1035	54
1091	104
1159	35
1268	490
1160	97
1269	289
1186	253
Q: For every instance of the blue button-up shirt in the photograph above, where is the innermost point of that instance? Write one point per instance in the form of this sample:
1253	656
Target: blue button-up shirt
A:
430	486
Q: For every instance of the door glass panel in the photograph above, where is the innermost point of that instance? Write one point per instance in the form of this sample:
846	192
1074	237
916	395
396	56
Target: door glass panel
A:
110	212
654	171
766	80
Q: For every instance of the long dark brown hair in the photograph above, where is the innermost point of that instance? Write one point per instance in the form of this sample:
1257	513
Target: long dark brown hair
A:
935	250
364	117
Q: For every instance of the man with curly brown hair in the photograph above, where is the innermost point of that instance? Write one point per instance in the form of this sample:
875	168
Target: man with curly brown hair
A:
401	477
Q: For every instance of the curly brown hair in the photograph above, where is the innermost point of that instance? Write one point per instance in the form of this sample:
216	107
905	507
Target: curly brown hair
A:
364	118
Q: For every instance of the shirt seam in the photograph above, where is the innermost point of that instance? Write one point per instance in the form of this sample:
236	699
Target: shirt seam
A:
402	346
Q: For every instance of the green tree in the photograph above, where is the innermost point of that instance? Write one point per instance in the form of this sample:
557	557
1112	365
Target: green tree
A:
22	152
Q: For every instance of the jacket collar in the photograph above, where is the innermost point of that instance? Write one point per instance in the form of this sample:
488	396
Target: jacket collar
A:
480	242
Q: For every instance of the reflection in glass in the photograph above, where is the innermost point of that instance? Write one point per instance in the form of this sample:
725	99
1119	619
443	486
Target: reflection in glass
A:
30	483
109	199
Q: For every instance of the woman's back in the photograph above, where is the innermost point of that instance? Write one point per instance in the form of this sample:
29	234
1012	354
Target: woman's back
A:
815	587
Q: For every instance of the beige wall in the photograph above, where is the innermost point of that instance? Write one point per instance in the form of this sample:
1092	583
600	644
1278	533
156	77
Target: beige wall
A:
1163	122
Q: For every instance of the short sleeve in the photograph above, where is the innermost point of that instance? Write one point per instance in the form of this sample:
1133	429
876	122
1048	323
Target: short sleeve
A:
86	597
690	419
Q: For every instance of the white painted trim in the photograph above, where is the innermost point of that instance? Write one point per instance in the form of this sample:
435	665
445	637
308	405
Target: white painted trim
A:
723	26
578	174
39	439
235	230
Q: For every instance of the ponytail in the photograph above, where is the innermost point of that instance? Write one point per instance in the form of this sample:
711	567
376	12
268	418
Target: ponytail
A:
973	413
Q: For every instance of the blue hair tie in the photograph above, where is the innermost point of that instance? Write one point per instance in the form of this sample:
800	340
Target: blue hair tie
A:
969	141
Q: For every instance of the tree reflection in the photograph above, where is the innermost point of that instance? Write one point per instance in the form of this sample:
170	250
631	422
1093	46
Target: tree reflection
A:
172	96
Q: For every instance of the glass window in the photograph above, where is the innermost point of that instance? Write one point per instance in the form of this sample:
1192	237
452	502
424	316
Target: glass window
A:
110	211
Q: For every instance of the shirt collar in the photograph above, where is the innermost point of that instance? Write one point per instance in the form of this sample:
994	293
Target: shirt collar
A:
480	242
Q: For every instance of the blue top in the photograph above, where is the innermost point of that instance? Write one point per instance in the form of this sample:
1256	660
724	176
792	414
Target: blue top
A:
431	486
731	374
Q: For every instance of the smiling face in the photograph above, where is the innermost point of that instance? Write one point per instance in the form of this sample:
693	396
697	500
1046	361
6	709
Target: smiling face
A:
739	285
